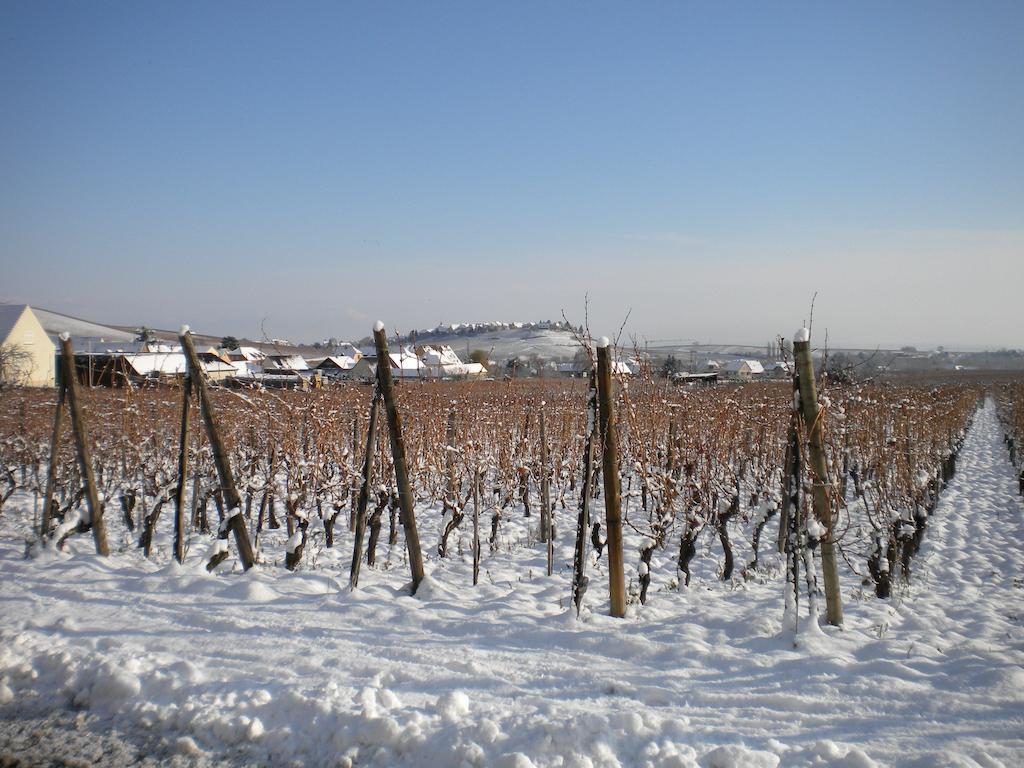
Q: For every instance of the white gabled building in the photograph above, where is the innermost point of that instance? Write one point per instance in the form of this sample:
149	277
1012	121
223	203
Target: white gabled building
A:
284	362
404	365
743	370
442	362
27	355
248	361
336	366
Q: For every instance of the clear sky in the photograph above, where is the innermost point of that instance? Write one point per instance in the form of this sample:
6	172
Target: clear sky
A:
307	168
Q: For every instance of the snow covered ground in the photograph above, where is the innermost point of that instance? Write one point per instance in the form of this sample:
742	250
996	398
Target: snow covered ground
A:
123	661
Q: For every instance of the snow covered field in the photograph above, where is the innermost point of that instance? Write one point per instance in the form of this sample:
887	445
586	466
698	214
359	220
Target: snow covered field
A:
123	660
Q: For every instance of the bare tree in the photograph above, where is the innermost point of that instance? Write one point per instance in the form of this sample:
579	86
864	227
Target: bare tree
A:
15	365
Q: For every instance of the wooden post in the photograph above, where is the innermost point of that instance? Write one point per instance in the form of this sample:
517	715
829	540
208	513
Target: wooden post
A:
476	525
99	528
234	520
790	541
364	492
610	468
387	387
579	579
819	470
546	527
449	441
354	494
51	472
179	496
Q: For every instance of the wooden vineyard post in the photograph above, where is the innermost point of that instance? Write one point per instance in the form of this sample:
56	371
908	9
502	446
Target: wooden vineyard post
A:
387	388
354	496
819	469
546	526
789	523
476	526
364	492
449	441
51	471
579	565
179	495
233	520
99	528
610	469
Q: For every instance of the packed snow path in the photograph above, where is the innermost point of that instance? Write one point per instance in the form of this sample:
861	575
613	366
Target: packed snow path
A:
272	668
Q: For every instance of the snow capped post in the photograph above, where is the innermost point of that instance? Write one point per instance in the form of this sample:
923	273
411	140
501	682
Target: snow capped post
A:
814	428
387	389
99	528
233	520
610	460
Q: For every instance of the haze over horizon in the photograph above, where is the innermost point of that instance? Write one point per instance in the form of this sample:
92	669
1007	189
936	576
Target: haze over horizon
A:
303	170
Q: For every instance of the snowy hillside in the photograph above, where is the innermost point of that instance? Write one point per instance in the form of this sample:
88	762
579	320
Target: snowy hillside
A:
153	662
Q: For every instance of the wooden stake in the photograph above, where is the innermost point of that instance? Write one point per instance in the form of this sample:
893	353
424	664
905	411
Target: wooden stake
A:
476	526
51	472
99	528
412	538
235	523
610	462
819	469
546	526
364	493
179	496
579	579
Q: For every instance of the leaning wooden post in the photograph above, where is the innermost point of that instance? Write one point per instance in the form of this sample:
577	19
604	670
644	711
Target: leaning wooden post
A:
179	496
364	492
610	461
233	521
387	388
51	471
819	469
546	527
99	528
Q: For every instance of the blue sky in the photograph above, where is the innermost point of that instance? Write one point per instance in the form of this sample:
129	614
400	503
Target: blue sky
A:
309	167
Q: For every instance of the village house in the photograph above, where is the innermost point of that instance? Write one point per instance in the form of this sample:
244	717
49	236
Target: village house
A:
27	354
336	366
742	370
248	361
404	365
780	369
284	363
442	362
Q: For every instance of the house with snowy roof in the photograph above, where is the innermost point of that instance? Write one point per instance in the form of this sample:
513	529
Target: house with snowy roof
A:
441	362
742	370
248	361
284	363
336	366
404	365
779	369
